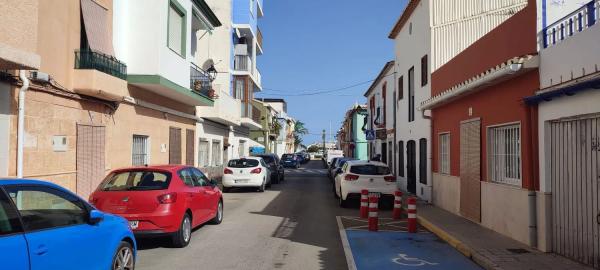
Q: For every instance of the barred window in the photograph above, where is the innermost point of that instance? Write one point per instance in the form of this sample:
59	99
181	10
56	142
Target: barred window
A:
216	153
203	160
504	154
140	150
444	154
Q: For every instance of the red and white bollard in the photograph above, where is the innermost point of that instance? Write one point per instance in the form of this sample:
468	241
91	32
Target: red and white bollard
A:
364	203
397	213
412	215
373	214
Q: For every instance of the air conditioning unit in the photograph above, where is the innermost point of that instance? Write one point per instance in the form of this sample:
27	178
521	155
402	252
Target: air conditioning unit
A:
39	76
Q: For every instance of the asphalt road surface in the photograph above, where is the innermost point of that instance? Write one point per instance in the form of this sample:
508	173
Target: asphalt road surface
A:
290	226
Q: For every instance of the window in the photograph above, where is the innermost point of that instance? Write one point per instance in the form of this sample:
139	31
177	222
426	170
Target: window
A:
239	89
186	177
423	161
242	163
136	180
411	94
203	154
401	158
424	71
9	219
444	153
384	91
410	29
370	170
216	153
242	149
176	28
401	88
140	150
44	208
504	154
200	179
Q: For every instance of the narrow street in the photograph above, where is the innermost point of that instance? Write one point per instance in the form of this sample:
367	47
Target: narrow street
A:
290	226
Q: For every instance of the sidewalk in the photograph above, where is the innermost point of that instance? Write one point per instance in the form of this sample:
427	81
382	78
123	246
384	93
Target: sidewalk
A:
486	247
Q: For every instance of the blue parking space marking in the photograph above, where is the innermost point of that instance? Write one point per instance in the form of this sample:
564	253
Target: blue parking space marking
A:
400	250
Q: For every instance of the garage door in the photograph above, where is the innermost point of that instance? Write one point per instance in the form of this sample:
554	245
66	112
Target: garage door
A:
90	158
574	170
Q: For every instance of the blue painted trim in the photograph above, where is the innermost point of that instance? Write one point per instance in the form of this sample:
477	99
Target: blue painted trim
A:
566	91
544	15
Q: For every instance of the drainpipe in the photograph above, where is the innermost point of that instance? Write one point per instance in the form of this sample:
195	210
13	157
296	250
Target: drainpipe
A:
430	155
21	123
532	195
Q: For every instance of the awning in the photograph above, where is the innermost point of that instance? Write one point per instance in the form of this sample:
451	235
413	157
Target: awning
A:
95	19
493	76
587	83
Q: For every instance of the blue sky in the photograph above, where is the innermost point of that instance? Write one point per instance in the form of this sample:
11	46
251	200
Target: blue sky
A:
312	45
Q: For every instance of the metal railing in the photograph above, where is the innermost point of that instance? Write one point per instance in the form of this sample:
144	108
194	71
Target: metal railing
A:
88	59
255	114
200	80
242	63
577	21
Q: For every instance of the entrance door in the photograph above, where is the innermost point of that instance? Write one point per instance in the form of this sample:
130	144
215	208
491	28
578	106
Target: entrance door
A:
470	169
189	147
384	152
411	166
575	175
90	158
174	145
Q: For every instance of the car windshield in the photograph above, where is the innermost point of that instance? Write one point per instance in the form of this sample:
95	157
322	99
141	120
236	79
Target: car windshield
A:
268	159
342	162
242	163
370	170
136	180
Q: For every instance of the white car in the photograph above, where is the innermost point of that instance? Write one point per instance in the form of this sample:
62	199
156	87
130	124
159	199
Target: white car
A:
356	175
246	172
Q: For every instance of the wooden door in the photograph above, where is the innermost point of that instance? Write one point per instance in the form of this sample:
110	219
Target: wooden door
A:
174	145
189	147
470	169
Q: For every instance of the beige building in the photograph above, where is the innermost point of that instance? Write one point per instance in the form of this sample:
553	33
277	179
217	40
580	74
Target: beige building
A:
85	111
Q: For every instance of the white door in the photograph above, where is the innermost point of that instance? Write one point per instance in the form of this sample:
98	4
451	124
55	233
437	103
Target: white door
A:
4	127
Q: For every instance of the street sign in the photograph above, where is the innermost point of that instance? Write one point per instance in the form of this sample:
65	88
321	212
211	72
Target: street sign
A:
370	134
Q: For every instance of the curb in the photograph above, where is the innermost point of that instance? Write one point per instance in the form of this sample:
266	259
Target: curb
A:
458	245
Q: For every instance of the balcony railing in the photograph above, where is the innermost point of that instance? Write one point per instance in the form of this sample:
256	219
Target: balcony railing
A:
87	59
255	114
577	21
242	63
200	81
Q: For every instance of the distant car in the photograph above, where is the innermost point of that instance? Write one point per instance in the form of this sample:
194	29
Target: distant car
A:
275	167
301	158
335	165
44	226
167	200
331	154
306	156
357	175
333	161
246	172
290	161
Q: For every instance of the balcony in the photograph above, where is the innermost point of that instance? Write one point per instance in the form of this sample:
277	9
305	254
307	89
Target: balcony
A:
570	46
100	76
226	110
242	65
85	59
259	40
200	81
250	116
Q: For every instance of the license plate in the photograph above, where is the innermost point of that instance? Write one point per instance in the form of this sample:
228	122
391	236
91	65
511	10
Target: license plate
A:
242	181
133	224
376	194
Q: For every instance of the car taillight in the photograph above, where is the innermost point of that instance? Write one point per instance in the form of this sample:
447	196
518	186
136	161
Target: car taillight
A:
93	200
389	179
227	171
256	171
351	177
167	198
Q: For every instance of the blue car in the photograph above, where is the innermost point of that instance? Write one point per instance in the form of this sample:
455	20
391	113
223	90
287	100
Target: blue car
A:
290	161
44	226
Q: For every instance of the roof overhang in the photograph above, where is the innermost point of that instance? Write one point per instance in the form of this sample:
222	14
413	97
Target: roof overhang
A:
164	87
380	77
509	69
410	8
587	83
207	11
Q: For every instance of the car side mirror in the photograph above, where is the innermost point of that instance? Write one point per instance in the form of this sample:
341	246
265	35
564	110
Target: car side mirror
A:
95	216
338	171
214	182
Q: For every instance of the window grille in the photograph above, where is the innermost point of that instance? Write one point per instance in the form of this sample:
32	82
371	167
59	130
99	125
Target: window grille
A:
203	156
216	153
504	154
140	150
444	151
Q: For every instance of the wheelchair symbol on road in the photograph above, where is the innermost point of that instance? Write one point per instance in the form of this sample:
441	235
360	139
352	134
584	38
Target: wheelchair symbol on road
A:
403	259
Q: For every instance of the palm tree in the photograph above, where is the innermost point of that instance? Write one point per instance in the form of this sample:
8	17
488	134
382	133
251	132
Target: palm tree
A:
299	131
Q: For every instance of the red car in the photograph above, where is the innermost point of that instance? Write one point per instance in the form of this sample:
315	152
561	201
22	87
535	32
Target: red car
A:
161	200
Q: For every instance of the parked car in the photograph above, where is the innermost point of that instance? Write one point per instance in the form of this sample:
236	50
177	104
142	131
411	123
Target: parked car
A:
300	158
290	161
44	226
167	200
306	156
247	172
336	164
333	161
331	154
357	175
275	167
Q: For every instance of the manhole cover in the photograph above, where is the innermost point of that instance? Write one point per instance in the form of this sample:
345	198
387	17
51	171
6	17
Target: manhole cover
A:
517	250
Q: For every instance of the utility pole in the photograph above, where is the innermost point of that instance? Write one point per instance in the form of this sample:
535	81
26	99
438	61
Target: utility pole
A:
324	137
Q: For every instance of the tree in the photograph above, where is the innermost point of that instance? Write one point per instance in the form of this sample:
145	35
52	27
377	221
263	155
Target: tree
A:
314	148
299	131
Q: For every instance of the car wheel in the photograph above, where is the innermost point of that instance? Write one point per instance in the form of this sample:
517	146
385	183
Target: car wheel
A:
123	258
219	216
341	200
262	187
182	237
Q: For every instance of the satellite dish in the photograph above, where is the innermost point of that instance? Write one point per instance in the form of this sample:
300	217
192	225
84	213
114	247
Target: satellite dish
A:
208	64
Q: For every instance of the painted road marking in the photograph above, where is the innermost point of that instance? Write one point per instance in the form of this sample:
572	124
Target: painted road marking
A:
346	245
402	250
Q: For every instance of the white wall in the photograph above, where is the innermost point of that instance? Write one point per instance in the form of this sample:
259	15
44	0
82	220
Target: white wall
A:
409	49
5	114
219	45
